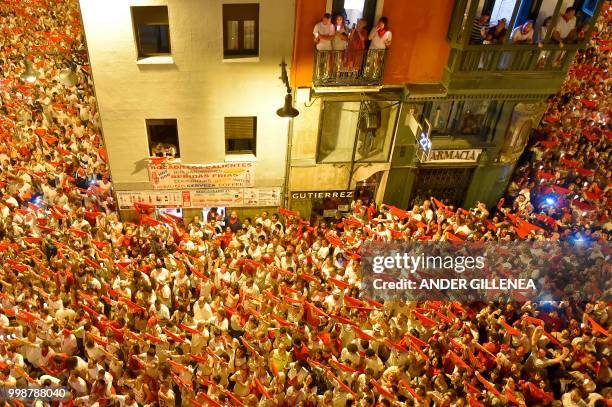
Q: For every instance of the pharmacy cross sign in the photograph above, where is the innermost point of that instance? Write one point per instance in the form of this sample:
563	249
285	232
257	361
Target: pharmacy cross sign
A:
424	144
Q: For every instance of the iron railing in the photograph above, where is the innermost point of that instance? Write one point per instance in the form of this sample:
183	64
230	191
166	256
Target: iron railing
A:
349	67
511	58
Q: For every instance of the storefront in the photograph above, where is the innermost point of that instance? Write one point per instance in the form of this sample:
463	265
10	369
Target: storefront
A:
321	204
445	175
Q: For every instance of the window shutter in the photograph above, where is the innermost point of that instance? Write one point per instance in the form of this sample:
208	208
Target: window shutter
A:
240	127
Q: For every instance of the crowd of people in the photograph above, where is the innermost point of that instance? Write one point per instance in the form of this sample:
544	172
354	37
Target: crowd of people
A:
268	311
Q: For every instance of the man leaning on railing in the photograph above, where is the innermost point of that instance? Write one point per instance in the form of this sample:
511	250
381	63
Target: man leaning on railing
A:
324	32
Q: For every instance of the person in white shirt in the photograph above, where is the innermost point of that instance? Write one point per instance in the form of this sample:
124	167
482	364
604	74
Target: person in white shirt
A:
324	32
68	344
380	35
380	39
523	34
566	27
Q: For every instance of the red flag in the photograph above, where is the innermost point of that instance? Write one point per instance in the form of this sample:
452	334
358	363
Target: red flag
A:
426	321
511	396
414	394
102	154
456	359
417	341
474	403
143	208
511	330
454	238
149	220
438	204
177	366
187	329
383	391
32	240
539	393
362	334
489	386
173	336
342	366
287	212
280	320
249	347
534	321
595	327
333	239
470	388
157	160
261	389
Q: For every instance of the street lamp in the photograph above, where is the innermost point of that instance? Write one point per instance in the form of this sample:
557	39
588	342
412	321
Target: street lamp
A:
287	111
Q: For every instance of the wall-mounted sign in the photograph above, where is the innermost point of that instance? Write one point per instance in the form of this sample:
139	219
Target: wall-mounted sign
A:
199	176
162	199
304	195
454	156
203	198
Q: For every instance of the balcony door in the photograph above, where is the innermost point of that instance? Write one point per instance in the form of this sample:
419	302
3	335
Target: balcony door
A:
353	10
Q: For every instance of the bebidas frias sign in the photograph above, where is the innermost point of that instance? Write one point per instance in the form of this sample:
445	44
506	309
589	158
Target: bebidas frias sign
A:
454	156
321	194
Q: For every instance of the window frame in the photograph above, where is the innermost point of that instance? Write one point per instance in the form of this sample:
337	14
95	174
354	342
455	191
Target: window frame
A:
138	21
455	118
149	124
253	139
355	136
241	13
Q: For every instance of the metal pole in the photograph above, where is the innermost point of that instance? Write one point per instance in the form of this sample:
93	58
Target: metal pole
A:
288	164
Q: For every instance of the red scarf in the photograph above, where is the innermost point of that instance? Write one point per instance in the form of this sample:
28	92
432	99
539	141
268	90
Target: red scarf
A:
381	32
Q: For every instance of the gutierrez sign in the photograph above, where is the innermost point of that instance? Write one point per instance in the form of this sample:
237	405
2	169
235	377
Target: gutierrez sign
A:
454	156
301	195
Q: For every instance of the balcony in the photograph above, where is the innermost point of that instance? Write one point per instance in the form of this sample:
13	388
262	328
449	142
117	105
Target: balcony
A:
349	68
511	68
510	65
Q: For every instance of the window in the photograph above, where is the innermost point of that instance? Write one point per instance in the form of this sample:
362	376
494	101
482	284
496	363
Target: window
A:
151	30
469	117
359	131
353	10
240	30
240	135
163	138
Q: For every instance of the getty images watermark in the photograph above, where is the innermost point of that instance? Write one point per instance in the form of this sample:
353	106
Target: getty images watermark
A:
487	271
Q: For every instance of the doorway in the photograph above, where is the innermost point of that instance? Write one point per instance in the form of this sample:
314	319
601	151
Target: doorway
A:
353	10
447	184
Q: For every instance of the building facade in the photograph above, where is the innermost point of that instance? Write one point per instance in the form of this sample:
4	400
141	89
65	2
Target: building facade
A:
438	113
183	83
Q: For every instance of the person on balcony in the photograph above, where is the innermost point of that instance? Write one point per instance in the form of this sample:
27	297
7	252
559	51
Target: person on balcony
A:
497	33
356	47
523	34
381	36
565	30
324	33
380	40
339	43
480	28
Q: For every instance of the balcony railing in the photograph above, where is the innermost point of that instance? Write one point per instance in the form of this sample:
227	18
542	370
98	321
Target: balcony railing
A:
349	68
511	58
